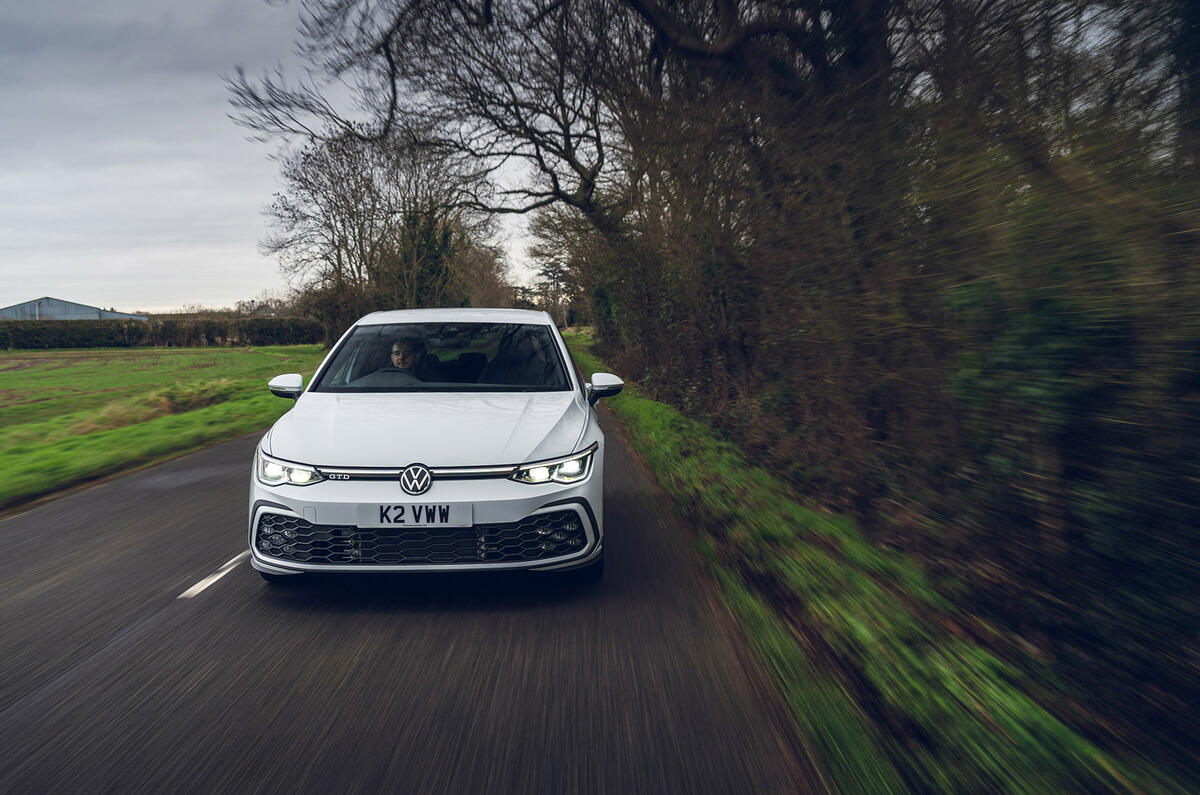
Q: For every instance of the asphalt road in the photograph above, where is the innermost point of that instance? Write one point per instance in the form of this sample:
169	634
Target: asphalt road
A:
111	682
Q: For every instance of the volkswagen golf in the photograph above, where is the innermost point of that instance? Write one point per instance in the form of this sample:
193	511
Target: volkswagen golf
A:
434	440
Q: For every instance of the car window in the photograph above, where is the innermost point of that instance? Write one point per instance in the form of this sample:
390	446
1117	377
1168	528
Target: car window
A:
446	357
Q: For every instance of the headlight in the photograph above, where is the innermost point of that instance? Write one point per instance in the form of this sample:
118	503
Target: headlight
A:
561	470
273	472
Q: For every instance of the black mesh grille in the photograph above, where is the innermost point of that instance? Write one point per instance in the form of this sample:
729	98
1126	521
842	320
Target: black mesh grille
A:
546	535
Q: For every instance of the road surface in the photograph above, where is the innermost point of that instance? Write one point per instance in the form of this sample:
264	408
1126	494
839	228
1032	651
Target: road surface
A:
110	681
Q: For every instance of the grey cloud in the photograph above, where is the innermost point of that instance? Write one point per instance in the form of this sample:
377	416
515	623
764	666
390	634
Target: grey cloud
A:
119	171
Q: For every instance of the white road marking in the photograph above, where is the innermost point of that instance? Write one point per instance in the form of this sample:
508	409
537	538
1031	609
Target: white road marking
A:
216	575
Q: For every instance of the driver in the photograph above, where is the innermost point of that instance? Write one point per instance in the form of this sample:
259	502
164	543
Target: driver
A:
406	355
401	368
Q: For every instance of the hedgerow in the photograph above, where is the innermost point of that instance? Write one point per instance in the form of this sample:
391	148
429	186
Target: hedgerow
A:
166	332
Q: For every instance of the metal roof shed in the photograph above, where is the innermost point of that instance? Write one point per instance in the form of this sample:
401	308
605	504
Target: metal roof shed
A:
47	308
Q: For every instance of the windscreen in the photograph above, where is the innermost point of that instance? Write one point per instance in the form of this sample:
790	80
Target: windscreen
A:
446	357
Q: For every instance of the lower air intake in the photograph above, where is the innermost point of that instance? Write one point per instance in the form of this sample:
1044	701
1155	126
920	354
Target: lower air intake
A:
546	535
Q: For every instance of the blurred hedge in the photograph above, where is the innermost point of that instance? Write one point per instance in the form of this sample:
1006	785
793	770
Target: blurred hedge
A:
168	332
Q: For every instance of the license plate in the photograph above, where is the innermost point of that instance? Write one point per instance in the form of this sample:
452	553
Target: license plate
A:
415	514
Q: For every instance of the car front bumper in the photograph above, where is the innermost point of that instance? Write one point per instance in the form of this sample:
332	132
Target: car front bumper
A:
508	520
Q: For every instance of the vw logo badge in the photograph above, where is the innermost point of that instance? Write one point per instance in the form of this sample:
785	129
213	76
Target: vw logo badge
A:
415	479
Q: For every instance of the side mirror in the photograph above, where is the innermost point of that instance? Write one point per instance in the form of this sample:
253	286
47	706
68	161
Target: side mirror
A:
603	385
287	386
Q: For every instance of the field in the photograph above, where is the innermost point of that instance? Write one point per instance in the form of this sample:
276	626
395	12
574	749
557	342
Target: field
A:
70	416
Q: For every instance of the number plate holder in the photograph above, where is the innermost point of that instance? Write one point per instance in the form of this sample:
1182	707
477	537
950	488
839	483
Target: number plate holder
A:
415	514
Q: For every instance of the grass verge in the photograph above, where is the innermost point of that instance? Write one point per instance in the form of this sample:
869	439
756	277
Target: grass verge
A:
888	691
72	416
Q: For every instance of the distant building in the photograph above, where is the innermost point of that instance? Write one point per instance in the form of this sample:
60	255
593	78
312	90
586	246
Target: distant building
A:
58	309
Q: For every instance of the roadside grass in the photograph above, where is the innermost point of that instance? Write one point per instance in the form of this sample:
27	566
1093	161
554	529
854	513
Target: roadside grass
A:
70	416
887	689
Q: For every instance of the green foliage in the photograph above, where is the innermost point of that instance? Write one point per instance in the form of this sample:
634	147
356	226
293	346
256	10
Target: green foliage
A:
417	270
189	332
884	679
837	732
989	363
1075	388
68	416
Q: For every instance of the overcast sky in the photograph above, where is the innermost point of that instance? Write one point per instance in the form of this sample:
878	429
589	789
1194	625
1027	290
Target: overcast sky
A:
122	181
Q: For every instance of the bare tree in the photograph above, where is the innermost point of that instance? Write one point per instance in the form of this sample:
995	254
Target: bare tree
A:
367	224
505	88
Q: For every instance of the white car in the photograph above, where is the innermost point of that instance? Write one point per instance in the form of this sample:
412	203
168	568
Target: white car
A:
434	440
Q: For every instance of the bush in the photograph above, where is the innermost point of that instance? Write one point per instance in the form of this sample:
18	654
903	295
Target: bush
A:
187	332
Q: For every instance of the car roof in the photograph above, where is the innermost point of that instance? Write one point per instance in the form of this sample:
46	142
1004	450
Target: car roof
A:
456	315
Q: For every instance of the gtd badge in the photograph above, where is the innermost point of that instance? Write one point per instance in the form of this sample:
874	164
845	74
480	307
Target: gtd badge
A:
415	479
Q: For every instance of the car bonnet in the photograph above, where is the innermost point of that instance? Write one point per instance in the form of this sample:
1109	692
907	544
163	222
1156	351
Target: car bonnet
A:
436	429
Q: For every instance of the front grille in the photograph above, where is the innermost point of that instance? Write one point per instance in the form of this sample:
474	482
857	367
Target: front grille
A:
546	535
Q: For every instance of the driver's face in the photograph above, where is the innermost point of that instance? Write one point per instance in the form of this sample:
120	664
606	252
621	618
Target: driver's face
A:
404	356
